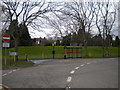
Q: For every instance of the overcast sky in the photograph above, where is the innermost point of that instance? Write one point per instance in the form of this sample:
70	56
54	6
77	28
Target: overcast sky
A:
45	32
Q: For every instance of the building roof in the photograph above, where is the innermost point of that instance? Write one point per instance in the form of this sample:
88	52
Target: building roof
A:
41	38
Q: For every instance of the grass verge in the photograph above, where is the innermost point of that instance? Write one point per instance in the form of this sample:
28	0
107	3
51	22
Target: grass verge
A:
45	52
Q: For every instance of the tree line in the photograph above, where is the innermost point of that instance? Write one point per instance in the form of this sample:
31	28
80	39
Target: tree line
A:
96	40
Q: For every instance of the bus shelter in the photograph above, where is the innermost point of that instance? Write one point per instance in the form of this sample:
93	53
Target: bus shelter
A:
72	52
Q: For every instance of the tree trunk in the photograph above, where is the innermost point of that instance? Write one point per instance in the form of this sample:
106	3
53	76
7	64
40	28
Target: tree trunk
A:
86	49
103	48
106	51
103	51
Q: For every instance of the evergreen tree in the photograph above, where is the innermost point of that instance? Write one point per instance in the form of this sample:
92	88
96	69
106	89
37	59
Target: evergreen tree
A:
117	41
66	40
25	39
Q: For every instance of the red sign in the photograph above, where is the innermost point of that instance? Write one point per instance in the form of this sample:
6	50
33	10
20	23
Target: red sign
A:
6	38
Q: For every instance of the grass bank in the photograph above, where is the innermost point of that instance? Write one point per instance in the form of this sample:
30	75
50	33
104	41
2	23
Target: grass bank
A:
45	52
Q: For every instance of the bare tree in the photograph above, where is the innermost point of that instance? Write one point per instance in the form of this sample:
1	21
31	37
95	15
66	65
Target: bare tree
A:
105	17
57	26
23	14
25	11
80	17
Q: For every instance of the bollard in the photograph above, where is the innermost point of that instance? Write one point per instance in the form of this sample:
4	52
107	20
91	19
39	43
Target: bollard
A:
10	60
65	57
14	59
26	57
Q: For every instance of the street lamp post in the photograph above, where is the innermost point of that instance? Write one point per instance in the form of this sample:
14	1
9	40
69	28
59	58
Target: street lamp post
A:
53	52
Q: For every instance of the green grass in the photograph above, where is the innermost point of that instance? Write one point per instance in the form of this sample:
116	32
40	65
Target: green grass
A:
93	52
96	52
114	51
16	64
40	52
44	52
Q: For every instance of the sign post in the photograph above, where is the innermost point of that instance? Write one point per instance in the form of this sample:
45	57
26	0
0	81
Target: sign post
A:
5	56
6	39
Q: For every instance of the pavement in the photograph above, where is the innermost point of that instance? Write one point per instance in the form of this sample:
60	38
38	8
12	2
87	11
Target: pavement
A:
65	73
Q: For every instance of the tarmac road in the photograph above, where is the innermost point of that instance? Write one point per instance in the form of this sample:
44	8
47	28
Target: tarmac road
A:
68	73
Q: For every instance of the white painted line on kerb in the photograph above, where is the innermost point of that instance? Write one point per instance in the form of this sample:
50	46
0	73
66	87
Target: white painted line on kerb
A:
88	63
82	65
4	74
72	72
69	79
69	87
14	70
10	72
77	68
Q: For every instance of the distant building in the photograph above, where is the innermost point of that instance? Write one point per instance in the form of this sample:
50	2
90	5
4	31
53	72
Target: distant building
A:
41	41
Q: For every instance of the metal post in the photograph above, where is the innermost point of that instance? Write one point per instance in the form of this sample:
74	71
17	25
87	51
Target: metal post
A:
5	56
14	58
53	51
26	57
10	60
81	52
65	53
77	52
72	53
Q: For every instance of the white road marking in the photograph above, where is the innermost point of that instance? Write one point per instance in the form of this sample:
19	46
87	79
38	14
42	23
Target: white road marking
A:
77	68
72	72
68	88
82	65
10	72
69	79
88	63
14	70
4	74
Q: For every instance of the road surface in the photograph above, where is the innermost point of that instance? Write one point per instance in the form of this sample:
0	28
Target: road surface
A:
66	73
